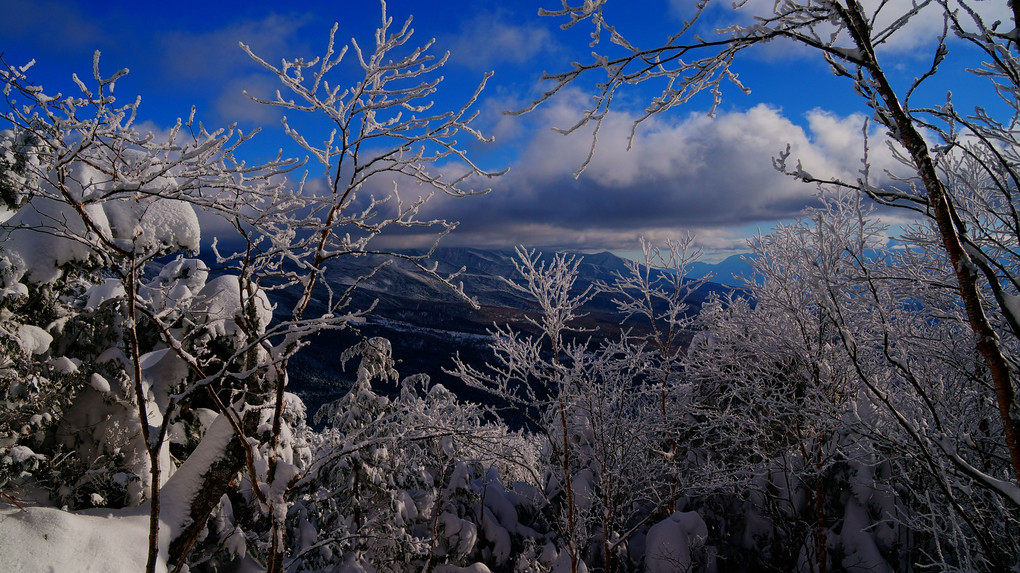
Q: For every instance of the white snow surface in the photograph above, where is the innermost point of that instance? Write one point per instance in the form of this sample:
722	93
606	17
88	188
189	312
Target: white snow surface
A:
109	289
21	454
179	491
162	370
862	553
221	301
49	233
152	224
65	365
669	542
473	568
39	255
33	339
99	383
562	564
48	539
96	427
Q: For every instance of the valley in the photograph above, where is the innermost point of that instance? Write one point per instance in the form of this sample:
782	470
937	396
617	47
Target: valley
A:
427	323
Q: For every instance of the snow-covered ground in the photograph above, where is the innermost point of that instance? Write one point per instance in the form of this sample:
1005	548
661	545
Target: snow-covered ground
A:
38	538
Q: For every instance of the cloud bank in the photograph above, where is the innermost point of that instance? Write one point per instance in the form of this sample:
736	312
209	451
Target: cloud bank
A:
711	176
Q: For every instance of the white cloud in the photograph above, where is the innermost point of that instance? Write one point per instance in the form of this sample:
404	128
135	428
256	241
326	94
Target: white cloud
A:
713	176
910	40
209	55
487	41
232	103
212	63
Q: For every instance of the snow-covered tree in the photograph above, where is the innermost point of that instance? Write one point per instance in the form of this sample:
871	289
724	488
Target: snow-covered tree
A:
930	413
858	414
404	482
655	291
99	274
535	376
778	388
849	36
139	373
609	470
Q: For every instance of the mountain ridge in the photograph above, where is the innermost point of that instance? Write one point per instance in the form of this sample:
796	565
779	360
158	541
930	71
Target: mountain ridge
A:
427	322
726	272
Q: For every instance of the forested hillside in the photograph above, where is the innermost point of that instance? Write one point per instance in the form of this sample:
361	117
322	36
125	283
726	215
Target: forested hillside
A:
215	364
426	324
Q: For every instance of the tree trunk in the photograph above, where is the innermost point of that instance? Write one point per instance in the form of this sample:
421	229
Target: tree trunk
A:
821	555
966	273
568	486
216	463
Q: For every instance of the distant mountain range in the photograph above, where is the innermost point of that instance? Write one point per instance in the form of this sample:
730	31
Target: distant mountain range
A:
726	272
428	324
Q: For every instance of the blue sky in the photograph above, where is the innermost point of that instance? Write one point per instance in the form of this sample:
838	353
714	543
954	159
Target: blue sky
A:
686	171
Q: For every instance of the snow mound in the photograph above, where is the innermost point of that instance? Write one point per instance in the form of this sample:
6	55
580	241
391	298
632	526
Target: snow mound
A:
473	568
48	539
670	542
33	339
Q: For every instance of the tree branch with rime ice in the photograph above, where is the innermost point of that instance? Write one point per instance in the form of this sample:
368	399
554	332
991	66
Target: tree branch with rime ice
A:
847	36
964	185
381	126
